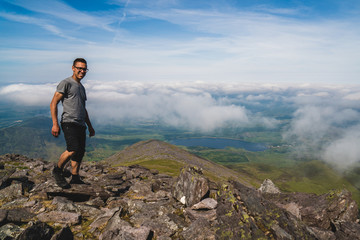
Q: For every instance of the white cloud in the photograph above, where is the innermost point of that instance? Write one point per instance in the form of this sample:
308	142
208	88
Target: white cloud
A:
28	95
187	105
345	151
326	126
176	105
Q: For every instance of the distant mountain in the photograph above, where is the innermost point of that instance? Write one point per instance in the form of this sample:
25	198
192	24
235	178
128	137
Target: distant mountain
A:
155	154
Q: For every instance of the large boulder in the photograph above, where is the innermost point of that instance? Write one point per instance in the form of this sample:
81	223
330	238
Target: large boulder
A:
191	186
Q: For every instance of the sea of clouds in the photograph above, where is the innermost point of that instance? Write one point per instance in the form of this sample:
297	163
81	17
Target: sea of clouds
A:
325	120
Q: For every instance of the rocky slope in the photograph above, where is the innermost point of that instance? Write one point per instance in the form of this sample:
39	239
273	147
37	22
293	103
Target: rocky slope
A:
133	202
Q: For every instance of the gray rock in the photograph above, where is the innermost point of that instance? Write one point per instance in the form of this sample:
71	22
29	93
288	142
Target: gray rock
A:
60	217
96	202
141	189
87	211
140	233
4	176
65	205
9	231
128	233
322	234
268	187
243	213
318	211
206	204
113	226
156	185
64	234
12	192
37	231
103	219
199	230
16	203
161	225
21	215
20	174
193	215
191	186
3	216
347	230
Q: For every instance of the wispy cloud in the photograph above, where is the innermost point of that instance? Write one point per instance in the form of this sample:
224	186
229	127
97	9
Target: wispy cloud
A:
36	21
141	41
60	10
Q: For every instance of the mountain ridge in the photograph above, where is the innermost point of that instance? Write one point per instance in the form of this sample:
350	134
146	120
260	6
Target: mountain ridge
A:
152	150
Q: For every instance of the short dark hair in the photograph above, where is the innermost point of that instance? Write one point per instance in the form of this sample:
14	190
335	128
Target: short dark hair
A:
79	60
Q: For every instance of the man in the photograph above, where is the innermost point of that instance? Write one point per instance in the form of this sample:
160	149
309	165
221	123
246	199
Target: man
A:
73	122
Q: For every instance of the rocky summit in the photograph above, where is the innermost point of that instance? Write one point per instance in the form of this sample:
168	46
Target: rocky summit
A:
133	202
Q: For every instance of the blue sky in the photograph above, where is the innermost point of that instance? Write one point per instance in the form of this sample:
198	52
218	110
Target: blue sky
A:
265	41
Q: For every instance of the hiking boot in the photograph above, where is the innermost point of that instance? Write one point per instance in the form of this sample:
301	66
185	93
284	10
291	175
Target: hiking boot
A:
75	179
60	179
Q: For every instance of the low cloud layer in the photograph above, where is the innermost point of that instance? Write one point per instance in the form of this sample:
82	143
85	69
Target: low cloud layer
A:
196	106
324	121
193	107
326	125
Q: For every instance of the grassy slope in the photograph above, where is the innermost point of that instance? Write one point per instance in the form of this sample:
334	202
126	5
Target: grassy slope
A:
170	159
311	176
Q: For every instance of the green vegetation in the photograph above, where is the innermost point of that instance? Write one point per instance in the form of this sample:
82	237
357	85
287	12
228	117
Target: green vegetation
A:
310	176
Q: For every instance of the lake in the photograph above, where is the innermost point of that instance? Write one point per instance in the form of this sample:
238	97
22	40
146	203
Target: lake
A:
219	143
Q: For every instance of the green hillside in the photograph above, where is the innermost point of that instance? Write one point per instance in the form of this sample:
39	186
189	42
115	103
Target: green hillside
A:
310	175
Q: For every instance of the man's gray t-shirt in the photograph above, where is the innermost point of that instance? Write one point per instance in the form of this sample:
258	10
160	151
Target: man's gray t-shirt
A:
73	101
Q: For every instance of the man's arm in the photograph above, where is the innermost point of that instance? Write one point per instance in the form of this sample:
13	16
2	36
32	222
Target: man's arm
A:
88	123
54	113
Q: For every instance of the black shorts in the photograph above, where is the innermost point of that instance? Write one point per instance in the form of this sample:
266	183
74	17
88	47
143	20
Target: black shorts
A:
75	137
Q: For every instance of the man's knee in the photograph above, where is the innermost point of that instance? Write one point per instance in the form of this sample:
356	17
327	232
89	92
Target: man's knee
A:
70	153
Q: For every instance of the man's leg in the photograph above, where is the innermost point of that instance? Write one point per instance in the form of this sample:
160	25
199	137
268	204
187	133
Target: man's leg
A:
64	158
75	177
58	169
70	138
75	167
77	157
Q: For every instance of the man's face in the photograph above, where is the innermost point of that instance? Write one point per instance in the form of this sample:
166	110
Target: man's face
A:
79	70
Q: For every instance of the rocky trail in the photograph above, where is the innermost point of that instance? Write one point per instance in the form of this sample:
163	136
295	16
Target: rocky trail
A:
141	204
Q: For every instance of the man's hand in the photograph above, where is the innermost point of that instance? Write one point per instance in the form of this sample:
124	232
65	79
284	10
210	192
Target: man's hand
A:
55	131
91	132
